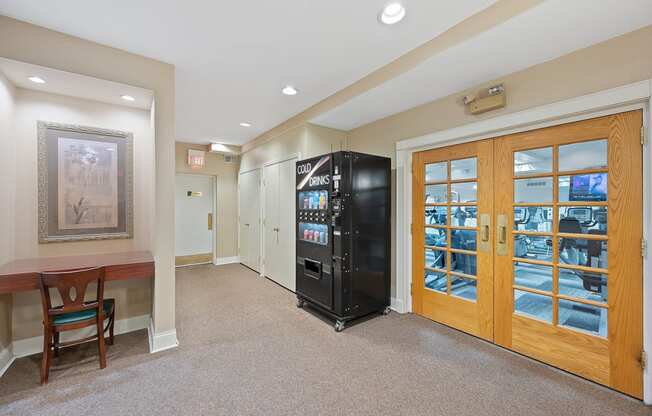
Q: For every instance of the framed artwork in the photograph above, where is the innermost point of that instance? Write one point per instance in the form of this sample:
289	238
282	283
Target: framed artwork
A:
85	183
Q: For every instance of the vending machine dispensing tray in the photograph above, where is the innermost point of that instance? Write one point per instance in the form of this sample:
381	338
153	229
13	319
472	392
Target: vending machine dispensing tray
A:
343	236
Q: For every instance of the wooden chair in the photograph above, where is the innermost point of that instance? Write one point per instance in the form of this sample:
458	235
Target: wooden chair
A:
74	313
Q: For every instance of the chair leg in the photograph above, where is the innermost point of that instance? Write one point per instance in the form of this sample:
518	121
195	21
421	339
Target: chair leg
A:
111	337
100	344
45	360
56	342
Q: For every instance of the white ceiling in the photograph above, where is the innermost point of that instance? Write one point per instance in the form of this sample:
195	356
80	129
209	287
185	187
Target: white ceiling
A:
233	57
74	85
550	30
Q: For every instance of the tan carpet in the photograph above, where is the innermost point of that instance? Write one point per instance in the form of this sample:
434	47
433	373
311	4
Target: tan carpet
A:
247	350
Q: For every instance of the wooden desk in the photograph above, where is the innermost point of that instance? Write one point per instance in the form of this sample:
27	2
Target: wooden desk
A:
22	275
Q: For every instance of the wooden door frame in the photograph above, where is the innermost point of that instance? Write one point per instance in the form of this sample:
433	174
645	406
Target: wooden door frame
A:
213	211
636	96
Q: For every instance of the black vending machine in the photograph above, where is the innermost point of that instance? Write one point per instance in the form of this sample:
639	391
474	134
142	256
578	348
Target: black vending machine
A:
343	235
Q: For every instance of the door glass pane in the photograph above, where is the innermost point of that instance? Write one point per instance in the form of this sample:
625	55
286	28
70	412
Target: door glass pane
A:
583	220
436	194
463	263
580	252
589	187
464	216
585	155
436	215
533	161
437	172
583	284
436	281
533	247
464	192
533	219
534	276
533	305
435	259
436	237
464	287
533	190
464	168
463	239
588	318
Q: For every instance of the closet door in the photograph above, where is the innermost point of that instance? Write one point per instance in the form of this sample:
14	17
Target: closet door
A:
271	260
286	223
279	223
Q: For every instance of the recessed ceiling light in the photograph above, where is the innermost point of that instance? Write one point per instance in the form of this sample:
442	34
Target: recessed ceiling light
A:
128	98
245	124
392	13
37	80
289	90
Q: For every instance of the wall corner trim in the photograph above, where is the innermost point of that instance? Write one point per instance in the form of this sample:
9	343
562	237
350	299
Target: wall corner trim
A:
397	305
161	341
226	260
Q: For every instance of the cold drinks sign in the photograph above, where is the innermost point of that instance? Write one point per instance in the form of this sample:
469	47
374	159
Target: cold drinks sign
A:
314	176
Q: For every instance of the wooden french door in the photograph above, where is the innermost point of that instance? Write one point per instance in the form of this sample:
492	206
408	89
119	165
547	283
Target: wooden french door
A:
566	231
453	254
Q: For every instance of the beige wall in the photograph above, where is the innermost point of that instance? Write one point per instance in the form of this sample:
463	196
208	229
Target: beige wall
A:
307	139
619	61
132	298
36	45
616	62
7	193
227	193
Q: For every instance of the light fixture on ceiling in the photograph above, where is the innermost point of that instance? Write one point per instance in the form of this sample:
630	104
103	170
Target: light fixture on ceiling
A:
128	98
36	80
245	124
392	13
289	90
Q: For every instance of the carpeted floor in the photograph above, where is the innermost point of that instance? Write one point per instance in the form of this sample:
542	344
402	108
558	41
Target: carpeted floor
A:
247	350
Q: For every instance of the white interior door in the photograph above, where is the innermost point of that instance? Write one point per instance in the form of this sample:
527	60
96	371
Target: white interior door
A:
194	203
279	223
287	223
270	223
250	219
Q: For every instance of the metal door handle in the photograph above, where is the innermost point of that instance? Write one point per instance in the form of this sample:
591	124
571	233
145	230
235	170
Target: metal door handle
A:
484	236
210	221
485	224
501	241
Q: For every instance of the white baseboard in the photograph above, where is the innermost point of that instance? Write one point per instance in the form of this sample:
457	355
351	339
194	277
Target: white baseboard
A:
34	345
161	341
6	359
397	305
226	260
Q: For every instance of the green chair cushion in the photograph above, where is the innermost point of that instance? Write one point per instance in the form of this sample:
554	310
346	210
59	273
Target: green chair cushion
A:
72	317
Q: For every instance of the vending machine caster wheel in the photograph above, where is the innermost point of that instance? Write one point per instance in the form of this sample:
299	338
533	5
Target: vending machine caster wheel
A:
339	326
300	303
387	310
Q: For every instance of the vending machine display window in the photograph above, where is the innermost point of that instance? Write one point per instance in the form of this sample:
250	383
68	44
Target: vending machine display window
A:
313	200
313	233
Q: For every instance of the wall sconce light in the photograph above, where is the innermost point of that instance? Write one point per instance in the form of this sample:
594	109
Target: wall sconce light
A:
196	158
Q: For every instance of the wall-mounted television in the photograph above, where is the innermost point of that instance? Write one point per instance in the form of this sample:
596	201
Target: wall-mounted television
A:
589	187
